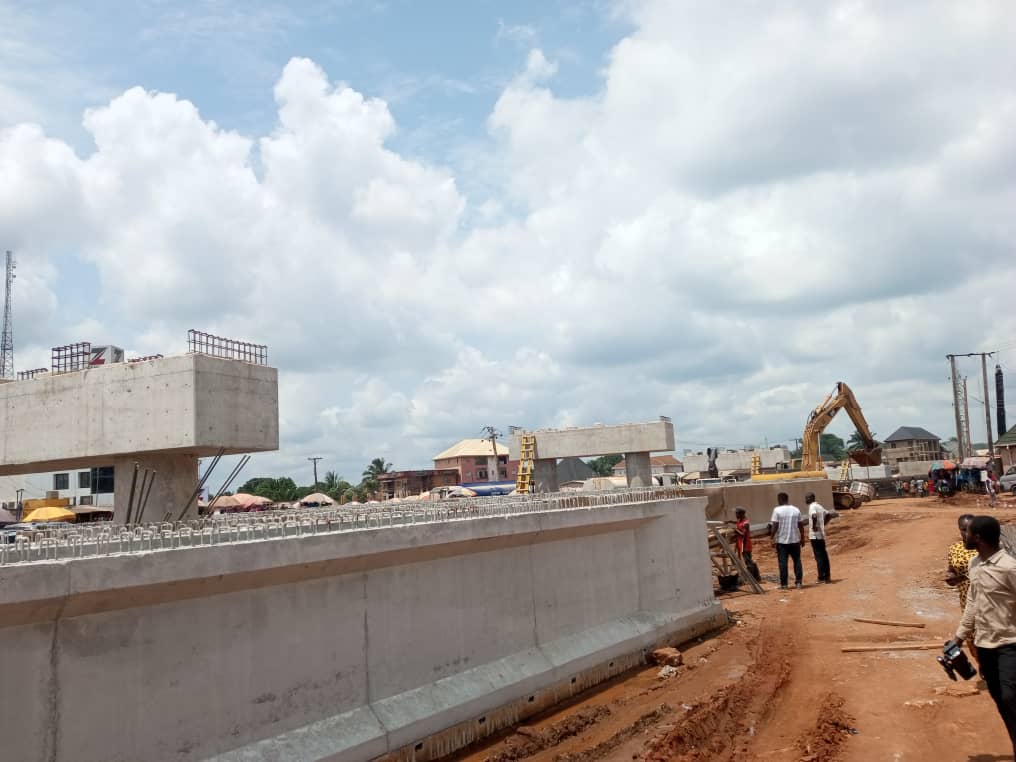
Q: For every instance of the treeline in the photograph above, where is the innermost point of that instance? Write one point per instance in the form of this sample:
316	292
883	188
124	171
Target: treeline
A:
284	490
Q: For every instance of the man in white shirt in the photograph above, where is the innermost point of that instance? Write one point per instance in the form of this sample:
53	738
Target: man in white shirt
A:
818	517
785	530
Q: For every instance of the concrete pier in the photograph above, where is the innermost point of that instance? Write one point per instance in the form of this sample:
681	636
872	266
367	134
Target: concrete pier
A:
162	413
638	469
408	640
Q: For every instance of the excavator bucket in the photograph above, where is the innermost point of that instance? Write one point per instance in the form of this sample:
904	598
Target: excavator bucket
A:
867	457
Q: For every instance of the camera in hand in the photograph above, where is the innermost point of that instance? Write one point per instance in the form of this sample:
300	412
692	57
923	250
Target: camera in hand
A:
953	660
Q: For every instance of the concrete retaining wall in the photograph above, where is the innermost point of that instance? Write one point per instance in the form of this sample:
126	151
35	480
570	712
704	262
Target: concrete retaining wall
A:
347	645
759	498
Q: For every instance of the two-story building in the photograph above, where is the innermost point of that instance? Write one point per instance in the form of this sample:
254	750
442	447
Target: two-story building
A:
475	461
910	444
407	483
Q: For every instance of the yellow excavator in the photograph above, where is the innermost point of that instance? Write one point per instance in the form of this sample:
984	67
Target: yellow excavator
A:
846	494
838	399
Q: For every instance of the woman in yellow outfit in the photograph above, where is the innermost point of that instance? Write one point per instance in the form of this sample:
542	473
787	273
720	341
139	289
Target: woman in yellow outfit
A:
959	561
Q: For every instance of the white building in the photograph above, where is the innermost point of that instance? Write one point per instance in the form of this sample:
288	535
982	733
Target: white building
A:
773	458
85	486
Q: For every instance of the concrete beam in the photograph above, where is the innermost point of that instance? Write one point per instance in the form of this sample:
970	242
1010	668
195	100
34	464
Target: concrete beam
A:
186	405
655	436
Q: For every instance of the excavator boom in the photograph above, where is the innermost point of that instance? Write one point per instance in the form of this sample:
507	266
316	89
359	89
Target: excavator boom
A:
839	398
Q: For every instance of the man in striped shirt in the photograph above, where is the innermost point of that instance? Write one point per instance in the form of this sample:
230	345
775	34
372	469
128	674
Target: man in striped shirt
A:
785	531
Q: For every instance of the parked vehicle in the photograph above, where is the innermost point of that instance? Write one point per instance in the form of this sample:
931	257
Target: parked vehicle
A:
1008	481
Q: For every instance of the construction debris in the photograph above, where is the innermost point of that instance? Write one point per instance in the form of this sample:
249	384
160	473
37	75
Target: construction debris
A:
889	623
893	647
670	657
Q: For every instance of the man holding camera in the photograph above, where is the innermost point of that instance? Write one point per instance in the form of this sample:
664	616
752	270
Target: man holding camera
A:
990	616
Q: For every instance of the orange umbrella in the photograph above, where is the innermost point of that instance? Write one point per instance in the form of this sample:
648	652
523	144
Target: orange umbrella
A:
51	513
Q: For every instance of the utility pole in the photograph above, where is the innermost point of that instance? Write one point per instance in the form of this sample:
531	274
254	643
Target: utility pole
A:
7	334
315	468
968	452
493	474
968	441
957	407
987	402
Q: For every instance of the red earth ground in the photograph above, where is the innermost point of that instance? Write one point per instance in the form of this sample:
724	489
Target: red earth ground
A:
775	685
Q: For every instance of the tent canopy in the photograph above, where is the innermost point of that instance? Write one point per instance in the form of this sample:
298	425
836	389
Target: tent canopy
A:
317	498
247	501
974	462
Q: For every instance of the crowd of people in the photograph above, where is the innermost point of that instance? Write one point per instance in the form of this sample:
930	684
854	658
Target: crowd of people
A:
945	483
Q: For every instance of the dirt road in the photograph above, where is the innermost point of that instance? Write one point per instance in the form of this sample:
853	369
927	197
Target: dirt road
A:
775	684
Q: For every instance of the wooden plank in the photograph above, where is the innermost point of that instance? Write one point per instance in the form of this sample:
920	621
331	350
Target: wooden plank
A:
893	647
889	623
742	570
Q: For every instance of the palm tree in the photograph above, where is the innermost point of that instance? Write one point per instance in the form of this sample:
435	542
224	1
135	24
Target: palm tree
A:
856	443
334	485
377	467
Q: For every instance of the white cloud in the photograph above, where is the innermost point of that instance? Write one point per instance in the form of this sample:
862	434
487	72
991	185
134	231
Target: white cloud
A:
754	205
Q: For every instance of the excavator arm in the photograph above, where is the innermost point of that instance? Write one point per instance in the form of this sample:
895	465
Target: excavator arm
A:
839	398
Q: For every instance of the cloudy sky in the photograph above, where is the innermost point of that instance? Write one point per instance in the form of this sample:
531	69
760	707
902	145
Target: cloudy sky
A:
445	215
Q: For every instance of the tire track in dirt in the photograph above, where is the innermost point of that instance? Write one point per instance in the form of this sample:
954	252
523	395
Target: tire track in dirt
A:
832	728
720	727
526	742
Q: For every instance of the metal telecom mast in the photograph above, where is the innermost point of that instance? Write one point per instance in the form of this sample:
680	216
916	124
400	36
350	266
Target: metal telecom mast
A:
7	337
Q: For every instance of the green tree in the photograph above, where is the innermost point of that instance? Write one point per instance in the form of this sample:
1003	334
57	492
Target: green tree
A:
604	465
334	485
278	490
832	448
